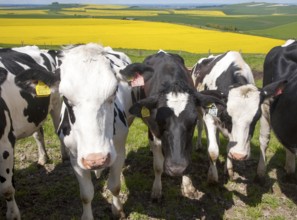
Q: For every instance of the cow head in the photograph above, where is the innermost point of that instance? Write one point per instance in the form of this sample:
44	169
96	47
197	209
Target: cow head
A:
243	109
88	81
171	116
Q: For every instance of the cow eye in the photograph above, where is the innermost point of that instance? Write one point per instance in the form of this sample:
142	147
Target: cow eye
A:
67	102
111	99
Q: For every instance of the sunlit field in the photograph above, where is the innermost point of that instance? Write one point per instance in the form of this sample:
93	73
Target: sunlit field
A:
102	12
22	12
129	34
199	12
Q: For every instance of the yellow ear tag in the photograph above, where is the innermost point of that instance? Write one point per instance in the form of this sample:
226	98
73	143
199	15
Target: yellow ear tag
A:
145	112
42	90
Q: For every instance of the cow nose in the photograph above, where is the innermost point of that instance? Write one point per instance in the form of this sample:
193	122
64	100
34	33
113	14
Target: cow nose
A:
238	156
175	169
96	161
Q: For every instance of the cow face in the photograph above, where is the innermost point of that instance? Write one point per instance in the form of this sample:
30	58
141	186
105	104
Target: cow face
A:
243	107
89	77
243	110
171	116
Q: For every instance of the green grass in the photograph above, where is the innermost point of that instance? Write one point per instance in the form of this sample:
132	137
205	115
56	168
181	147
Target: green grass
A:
286	31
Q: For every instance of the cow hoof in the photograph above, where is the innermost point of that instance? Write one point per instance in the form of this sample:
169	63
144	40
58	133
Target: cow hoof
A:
65	158
212	180
117	214
43	160
260	180
156	198
190	193
290	178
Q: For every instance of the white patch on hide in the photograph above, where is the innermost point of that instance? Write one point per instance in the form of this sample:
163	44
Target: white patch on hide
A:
177	102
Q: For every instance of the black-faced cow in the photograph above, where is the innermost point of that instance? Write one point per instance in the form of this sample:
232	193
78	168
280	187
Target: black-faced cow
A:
279	113
170	112
229	77
93	125
21	113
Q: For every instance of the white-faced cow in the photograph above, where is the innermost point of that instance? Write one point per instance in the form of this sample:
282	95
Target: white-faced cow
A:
93	125
170	111
279	112
230	78
22	114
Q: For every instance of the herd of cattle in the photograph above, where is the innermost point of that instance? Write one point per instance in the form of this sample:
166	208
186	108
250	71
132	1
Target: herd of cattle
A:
93	94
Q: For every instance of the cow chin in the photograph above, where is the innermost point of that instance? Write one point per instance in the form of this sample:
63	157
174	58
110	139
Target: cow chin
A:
172	168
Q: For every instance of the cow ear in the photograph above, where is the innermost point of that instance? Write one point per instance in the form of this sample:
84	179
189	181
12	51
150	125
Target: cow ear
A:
143	108
3	75
134	73
39	82
209	97
273	89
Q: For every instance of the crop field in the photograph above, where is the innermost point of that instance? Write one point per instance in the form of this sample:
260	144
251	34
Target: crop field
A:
129	34
256	19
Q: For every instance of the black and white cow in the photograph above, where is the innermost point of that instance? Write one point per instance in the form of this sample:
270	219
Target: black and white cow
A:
170	111
22	114
279	113
230	78
93	126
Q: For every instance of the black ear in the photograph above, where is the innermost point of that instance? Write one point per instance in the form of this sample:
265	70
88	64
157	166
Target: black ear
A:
3	75
208	97
131	70
142	108
273	89
27	80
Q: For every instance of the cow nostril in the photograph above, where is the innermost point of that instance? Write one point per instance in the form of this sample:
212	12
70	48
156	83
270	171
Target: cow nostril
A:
238	156
96	160
175	169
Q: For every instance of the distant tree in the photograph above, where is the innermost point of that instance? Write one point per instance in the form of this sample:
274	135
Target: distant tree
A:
55	3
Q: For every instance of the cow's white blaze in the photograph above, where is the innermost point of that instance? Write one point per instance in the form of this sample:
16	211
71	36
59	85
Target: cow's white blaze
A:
243	104
89	84
177	102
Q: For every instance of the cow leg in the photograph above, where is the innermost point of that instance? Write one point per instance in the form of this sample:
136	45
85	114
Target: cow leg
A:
188	189
229	167
7	189
264	141
39	138
199	129
213	149
290	162
86	189
55	115
158	160
199	137
114	184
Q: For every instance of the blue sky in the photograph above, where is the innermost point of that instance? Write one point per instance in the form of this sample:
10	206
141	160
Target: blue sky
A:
142	1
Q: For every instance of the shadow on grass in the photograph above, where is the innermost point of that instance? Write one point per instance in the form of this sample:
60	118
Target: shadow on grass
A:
254	191
139	176
41	194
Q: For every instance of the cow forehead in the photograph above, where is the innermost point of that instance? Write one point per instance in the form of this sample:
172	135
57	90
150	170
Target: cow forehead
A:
177	102
87	73
243	102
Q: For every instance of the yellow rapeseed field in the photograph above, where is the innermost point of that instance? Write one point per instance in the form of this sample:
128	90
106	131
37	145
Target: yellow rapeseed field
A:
129	34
